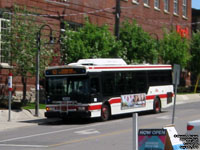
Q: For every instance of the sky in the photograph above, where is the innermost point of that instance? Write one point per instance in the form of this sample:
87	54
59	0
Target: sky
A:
196	4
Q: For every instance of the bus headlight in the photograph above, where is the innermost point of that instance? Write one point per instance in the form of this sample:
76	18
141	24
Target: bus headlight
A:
48	108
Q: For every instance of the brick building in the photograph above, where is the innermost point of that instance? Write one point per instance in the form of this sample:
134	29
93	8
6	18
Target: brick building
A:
152	15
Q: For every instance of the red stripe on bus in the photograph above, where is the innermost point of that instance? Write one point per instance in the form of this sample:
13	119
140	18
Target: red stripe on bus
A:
94	107
131	67
113	101
149	97
118	100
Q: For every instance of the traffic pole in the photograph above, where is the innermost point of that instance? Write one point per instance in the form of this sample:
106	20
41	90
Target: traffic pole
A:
135	131
117	18
9	95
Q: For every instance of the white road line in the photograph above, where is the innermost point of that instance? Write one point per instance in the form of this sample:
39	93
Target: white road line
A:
58	131
15	145
87	131
166	117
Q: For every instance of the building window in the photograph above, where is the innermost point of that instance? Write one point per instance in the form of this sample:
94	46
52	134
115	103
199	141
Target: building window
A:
185	8
146	2
166	5
157	4
175	6
4	29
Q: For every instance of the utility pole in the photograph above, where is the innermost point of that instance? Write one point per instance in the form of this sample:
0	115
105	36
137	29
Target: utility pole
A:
117	18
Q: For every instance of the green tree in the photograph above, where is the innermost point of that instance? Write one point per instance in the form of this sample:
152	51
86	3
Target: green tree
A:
90	41
195	55
138	45
22	48
174	49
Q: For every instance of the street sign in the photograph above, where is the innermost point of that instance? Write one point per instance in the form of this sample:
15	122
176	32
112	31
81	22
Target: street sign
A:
152	139
176	74
10	81
172	141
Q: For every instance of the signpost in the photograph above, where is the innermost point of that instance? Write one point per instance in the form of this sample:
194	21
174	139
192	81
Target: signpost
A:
9	95
176	80
135	131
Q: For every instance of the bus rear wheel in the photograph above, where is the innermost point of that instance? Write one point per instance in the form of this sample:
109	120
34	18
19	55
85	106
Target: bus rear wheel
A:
157	106
105	112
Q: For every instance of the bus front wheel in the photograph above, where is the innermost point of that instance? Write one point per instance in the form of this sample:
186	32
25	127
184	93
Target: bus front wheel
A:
105	112
157	106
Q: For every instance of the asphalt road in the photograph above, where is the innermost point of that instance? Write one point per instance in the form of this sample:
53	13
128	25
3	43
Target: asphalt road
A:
115	134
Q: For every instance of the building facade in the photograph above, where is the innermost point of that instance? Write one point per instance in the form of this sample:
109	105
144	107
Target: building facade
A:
153	15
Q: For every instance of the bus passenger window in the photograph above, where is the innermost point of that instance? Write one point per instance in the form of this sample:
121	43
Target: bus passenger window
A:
108	83
94	85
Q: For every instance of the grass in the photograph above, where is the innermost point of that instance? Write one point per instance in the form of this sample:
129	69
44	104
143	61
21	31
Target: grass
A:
32	106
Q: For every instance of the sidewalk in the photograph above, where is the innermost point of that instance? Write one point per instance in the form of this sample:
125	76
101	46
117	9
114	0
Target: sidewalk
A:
20	118
26	118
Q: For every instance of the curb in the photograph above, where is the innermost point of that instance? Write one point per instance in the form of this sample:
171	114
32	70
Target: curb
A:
20	115
188	97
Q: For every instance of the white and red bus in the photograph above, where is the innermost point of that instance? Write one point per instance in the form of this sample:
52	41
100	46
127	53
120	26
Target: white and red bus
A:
105	87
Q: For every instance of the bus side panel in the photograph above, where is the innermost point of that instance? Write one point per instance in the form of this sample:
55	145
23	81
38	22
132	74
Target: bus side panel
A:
95	109
162	93
116	108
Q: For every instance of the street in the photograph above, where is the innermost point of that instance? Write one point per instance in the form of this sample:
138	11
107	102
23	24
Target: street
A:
115	134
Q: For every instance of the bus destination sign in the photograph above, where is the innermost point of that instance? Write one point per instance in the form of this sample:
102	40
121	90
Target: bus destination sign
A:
65	71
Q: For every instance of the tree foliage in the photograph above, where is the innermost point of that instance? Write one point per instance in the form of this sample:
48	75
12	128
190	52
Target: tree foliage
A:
90	41
138	45
174	49
195	53
21	41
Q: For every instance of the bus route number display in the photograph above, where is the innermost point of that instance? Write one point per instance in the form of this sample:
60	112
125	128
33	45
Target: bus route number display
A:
65	71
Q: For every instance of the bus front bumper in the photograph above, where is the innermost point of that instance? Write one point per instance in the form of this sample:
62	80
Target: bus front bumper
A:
74	114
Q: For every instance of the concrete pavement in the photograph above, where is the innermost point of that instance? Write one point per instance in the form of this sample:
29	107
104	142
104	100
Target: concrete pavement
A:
20	118
24	118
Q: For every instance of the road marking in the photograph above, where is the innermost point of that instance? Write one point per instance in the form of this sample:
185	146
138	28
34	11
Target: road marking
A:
15	145
58	131
88	131
91	137
164	117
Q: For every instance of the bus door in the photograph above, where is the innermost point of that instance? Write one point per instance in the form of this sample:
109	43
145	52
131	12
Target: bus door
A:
95	90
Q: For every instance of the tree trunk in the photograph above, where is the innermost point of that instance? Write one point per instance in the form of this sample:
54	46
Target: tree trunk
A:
24	82
197	83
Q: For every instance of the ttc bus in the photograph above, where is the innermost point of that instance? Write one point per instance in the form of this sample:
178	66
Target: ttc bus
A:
104	87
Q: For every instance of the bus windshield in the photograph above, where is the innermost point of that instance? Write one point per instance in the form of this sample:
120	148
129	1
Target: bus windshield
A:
68	88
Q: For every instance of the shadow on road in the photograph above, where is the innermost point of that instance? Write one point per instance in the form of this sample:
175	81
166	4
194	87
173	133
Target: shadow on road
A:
81	121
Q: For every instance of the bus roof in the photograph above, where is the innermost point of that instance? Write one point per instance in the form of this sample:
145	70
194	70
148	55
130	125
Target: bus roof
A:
100	62
98	65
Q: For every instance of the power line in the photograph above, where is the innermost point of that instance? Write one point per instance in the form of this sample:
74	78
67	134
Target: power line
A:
105	9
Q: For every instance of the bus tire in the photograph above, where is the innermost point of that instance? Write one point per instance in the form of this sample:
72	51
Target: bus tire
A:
157	105
105	112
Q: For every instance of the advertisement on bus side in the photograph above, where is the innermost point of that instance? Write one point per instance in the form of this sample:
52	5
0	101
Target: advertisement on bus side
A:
133	100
